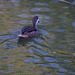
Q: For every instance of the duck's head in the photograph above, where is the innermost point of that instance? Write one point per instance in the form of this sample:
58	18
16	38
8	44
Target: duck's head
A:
35	20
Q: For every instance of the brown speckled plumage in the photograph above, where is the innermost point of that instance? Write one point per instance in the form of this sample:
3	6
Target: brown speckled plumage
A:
30	31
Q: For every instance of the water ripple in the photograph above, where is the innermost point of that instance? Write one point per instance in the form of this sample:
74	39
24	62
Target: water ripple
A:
73	24
6	36
42	4
60	73
4	56
44	32
9	46
7	71
71	73
67	60
10	65
43	65
40	9
39	40
62	70
55	65
50	59
30	51
41	51
35	60
22	22
23	15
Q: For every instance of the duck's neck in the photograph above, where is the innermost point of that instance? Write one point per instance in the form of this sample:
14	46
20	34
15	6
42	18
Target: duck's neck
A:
35	24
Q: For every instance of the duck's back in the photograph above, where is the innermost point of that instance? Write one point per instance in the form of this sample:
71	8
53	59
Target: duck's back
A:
28	29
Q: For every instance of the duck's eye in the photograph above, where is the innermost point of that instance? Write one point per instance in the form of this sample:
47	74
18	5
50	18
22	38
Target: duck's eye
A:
38	21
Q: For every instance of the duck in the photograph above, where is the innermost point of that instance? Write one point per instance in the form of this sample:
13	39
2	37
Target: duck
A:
30	31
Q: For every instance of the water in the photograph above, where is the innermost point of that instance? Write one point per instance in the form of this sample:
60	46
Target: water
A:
52	53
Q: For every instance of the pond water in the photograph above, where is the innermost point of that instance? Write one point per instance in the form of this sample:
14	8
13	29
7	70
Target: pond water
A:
52	53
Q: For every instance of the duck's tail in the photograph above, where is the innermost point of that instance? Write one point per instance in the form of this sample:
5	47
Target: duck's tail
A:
23	36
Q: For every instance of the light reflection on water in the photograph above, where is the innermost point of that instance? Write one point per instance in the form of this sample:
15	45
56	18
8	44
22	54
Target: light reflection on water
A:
7	72
35	60
50	53
4	56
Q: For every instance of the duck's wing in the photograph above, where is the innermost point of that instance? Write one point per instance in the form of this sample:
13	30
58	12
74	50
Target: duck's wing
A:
28	29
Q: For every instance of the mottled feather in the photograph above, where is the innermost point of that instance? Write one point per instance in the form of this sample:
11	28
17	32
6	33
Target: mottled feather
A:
28	29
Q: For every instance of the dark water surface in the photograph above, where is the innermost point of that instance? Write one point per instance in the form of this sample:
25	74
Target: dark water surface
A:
52	53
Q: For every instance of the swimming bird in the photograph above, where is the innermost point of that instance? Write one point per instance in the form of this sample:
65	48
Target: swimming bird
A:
30	31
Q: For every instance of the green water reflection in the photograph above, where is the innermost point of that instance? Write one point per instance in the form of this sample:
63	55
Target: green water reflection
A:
52	53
